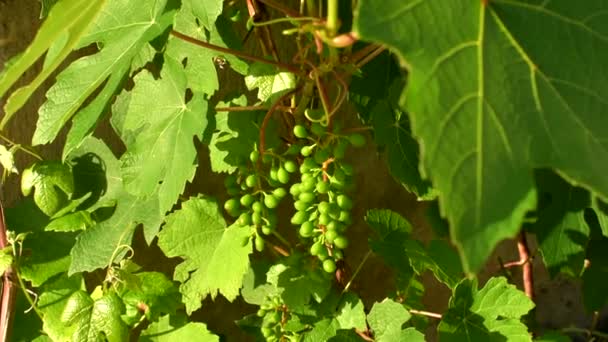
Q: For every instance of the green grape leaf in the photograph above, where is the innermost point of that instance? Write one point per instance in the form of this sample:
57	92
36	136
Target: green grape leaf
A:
85	119
52	183
45	7
176	329
297	281
438	258
67	21
122	30
235	135
6	260
92	318
216	258
601	211
351	313
492	313
345	336
144	56
53	299
206	11
200	69
79	220
489	104
386	318
392	131
255	288
560	227
162	150
322	330
117	230
553	336
595	288
154	294
39	262
269	82
7	159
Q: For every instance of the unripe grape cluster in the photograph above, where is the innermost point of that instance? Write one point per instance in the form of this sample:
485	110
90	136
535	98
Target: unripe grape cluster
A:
321	196
274	314
255	196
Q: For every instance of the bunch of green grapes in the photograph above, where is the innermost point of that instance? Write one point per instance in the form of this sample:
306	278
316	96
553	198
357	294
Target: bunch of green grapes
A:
274	315
321	197
257	188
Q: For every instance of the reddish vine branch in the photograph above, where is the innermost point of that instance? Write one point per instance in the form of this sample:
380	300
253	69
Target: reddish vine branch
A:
524	256
9	288
272	109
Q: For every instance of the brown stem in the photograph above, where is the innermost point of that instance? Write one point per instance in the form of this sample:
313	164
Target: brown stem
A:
364	335
241	54
369	57
281	8
524	255
9	288
272	109
425	313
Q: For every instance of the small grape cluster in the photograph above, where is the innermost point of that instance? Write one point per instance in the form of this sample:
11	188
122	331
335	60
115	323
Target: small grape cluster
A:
255	196
274	314
320	198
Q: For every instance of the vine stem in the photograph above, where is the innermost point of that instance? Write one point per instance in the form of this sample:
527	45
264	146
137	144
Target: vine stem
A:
192	40
268	115
280	8
425	313
26	150
586	332
524	255
9	293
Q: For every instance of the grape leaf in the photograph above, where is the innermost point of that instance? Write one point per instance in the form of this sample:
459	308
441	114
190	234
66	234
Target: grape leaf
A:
79	220
215	257
40	262
6	260
255	288
122	29
492	313
52	183
7	159
438	258
162	149
601	211
561	227
351	313
489	104
206	11
68	21
595	288
269	82
176	328
385	320
297	281
116	231
52	302
91	318
155	293
322	330
200	69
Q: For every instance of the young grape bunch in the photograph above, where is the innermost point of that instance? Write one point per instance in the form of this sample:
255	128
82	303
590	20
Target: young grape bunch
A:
321	196
274	314
256	190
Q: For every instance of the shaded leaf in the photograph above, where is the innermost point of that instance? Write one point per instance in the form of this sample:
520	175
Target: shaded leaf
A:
79	220
53	299
269	82
322	330
52	183
176	329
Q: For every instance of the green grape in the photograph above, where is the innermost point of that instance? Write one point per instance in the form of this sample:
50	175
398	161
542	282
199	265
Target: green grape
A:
323	253
257	206
261	313
344	202
334	211
316	248
323	207
259	244
295	189
308	185
251	181
300	131
321	155
256	218
335	226
290	166
274	174
254	156
307	150
317	129
341	242
270	201
301	206
307	197
279	193
244	219
247	200
338	254
307	165
267	332
344	216
323	219
330	235
339	175
329	266
322	187
337	183
232	205
306	177
306	229
348	169
283	175
267	230
357	140
299	217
